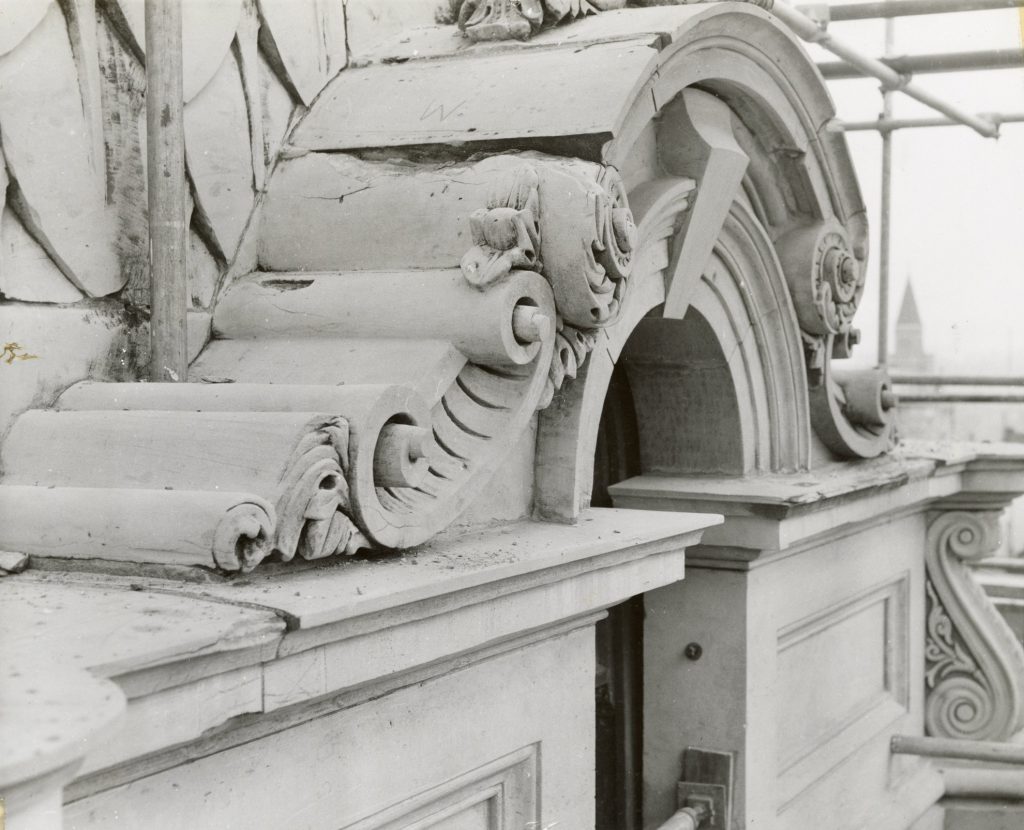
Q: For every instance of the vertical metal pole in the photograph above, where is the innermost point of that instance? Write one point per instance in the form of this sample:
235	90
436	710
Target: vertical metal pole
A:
886	213
166	180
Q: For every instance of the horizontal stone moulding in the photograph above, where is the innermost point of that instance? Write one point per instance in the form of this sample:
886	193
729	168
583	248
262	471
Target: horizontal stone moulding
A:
226	530
410	305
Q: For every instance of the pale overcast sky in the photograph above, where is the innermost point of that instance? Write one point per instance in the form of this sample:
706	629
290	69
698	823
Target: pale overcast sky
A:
958	219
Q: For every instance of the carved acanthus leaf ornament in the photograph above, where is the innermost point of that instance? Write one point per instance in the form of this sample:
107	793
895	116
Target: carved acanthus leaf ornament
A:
974	664
521	19
570	221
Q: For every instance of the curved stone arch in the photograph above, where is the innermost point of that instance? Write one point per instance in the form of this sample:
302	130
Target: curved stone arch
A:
743	300
763	73
797	177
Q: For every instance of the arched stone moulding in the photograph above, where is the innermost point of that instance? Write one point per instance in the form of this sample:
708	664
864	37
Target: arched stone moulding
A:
974	663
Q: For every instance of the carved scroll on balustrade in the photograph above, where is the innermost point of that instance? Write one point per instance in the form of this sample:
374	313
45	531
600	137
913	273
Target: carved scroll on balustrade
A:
974	664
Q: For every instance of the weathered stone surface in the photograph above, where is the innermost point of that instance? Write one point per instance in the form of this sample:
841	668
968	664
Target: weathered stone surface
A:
219	155
26	272
309	41
207	29
13	562
59	192
203	272
277	107
371	22
122	97
18	19
67	344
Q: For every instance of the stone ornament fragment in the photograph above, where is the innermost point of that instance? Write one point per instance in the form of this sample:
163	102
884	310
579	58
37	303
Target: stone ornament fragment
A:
571	221
852	411
505	233
827	293
974	663
521	19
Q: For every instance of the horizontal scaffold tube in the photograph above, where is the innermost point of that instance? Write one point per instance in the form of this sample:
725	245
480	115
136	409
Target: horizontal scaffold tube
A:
905	8
975	61
883	125
812	32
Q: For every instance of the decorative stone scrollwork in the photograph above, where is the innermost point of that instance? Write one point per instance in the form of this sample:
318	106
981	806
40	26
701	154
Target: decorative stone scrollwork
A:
974	664
826	294
571	221
852	411
505	233
521	19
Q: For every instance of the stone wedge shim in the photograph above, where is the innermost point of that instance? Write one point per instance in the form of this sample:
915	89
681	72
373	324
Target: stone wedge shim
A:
231	531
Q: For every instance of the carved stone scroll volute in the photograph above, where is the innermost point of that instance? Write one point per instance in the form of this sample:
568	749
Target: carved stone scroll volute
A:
571	221
974	664
852	411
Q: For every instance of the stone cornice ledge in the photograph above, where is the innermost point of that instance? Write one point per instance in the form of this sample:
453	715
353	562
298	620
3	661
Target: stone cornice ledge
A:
351	631
771	513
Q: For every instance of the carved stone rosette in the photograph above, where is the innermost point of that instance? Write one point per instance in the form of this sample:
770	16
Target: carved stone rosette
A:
571	221
974	664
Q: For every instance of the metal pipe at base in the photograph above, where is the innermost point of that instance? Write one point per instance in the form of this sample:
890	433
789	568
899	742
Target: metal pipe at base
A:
686	818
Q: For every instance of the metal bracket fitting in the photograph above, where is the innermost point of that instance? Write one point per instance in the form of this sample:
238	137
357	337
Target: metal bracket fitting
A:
707	786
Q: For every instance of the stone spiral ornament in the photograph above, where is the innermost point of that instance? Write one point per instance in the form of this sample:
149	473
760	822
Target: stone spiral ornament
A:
824	276
974	664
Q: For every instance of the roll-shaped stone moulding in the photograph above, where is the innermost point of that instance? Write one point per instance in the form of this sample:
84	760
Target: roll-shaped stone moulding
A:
853	411
214	529
389	441
411	305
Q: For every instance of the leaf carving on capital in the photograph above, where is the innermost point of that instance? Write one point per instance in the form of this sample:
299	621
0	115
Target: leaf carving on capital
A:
974	664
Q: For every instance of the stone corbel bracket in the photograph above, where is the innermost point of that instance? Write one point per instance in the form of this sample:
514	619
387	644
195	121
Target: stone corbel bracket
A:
341	409
974	664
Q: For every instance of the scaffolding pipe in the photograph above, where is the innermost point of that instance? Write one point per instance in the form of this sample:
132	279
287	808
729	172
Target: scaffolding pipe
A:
905	8
957	748
168	238
960	380
884	236
982	59
808	30
957	397
883	125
